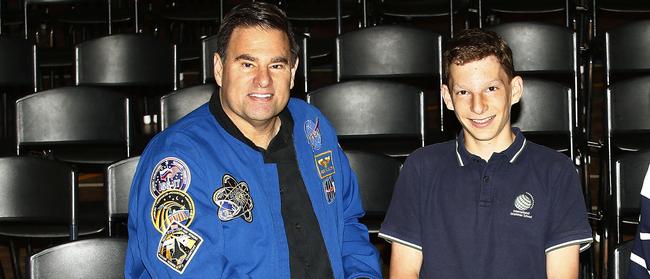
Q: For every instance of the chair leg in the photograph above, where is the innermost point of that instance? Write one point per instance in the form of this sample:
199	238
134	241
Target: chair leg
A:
14	258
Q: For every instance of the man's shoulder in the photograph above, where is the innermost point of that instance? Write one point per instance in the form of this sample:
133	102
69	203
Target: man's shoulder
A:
442	153
193	125
547	156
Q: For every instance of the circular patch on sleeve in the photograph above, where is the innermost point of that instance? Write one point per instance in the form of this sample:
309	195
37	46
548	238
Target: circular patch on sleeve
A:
172	206
170	173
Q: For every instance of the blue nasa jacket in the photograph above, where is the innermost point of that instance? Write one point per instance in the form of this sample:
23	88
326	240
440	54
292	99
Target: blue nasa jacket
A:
203	204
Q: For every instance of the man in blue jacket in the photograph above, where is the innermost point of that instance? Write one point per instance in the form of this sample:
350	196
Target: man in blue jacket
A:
252	184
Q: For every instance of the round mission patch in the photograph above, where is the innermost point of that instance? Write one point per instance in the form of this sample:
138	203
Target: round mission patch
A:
169	206
170	173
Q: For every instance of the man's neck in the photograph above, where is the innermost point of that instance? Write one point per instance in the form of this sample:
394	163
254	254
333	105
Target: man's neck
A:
485	149
261	133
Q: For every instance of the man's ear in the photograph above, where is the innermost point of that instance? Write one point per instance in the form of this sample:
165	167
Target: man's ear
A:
446	96
218	68
516	89
294	68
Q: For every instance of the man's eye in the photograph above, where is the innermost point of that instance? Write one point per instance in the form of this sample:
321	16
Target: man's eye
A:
278	66
493	88
462	92
247	65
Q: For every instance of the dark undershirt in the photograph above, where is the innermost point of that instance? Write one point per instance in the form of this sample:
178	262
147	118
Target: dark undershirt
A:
307	254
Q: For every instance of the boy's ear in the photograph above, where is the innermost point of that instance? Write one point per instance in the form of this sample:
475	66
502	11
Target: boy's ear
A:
516	89
446	96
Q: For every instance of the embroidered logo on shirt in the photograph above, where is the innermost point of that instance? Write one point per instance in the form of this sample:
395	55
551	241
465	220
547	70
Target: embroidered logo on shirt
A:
324	164
169	173
312	132
329	188
523	204
233	199
177	246
172	206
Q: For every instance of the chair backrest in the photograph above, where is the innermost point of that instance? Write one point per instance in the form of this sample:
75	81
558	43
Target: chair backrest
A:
545	113
90	258
67	118
179	103
36	190
626	50
125	60
374	110
119	176
627	114
620	263
376	176
628	174
389	51
17	67
208	48
539	47
371	108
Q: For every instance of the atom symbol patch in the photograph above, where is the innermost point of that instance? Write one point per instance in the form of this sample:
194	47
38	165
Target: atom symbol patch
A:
233	199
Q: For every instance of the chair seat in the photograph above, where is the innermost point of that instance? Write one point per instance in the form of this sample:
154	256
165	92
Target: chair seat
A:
624	6
94	16
524	7
324	11
415	9
194	14
30	230
55	57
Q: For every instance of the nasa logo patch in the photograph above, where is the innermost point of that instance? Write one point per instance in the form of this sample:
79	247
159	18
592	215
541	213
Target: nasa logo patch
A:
177	246
312	132
324	164
170	173
172	206
233	200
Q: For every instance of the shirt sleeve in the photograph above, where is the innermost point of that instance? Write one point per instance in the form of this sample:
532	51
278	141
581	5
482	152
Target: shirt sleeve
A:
402	221
360	257
168	238
568	224
641	251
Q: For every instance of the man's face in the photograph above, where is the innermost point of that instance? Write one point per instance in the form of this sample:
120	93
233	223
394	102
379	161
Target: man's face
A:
481	94
255	76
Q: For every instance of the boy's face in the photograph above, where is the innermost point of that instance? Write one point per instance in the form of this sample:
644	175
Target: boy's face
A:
481	94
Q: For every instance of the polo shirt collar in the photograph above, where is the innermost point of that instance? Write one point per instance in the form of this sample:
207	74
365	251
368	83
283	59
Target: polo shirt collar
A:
512	152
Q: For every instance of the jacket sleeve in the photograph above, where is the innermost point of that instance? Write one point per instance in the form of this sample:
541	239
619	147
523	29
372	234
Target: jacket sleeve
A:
187	249
360	258
641	251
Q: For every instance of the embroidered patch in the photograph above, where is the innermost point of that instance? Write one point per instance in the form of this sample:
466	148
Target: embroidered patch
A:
233	199
324	164
169	173
524	203
329	188
312	132
177	246
172	206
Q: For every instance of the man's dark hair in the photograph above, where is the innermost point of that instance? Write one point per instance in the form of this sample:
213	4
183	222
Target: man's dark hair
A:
255	14
475	44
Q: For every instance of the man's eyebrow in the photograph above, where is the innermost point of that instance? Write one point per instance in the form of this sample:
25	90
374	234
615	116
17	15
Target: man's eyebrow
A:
246	57
280	59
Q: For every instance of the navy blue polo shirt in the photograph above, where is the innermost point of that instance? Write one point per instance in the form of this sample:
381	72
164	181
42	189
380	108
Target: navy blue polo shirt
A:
495	219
